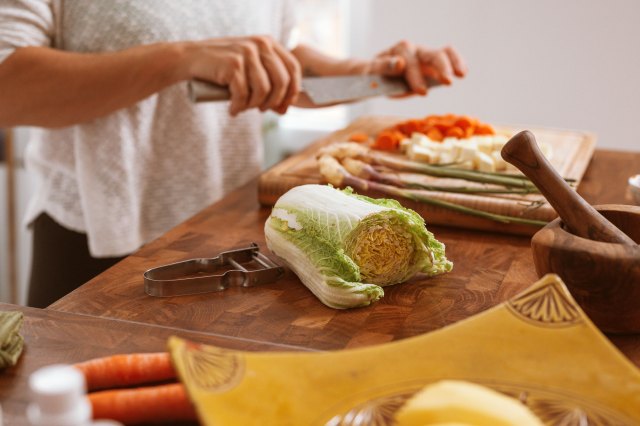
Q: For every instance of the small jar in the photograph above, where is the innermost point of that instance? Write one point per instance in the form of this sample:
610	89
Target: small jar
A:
58	397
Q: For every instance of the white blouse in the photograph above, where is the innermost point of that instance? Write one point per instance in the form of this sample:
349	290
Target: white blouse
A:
127	178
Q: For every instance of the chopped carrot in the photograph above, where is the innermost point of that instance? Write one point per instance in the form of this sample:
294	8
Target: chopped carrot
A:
455	132
358	137
127	369
465	122
388	140
408	127
143	405
484	129
436	127
469	131
435	134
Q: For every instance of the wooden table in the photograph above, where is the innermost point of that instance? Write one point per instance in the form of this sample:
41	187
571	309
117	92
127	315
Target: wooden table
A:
489	268
56	337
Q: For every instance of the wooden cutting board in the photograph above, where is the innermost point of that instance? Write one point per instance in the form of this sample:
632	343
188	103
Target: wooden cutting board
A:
571	153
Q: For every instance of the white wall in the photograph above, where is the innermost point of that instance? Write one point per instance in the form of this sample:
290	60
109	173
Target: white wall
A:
571	64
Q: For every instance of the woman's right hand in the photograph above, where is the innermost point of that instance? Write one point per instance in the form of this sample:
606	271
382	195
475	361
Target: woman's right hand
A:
259	72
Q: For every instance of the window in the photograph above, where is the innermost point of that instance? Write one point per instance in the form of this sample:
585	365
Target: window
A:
322	24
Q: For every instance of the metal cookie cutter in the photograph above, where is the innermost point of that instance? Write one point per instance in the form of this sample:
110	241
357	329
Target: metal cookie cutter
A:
206	275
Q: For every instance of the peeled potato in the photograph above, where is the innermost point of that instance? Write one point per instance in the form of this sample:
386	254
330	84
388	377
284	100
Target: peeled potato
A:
450	402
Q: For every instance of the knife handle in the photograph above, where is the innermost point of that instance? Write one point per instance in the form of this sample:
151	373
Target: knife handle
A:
203	91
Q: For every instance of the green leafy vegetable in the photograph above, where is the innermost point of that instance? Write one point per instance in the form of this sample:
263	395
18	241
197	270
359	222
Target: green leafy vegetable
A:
344	247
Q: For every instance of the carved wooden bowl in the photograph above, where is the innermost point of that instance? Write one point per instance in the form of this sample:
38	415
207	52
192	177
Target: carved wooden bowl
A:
604	278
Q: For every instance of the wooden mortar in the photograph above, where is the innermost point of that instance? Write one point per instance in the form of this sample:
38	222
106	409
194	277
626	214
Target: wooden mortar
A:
603	277
594	250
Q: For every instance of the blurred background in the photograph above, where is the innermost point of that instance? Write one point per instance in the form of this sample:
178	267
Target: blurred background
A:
569	65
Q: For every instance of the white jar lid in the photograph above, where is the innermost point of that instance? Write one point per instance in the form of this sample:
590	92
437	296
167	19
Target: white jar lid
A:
58	397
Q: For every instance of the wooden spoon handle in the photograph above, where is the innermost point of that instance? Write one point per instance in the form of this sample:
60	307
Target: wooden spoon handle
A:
580	218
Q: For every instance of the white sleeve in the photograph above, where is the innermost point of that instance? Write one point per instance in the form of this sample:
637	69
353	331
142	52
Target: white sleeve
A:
25	23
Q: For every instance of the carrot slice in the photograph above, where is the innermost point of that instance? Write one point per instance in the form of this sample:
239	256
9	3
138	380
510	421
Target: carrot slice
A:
484	129
455	132
435	134
388	140
358	137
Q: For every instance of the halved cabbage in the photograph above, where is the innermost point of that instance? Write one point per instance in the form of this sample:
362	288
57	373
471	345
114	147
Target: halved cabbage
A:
345	246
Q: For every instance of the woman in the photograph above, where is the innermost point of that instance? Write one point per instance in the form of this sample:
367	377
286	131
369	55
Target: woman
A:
122	154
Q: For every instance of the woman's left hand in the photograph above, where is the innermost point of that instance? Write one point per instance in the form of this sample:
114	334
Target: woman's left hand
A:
418	64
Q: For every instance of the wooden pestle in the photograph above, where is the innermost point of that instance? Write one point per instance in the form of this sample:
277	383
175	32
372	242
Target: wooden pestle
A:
579	217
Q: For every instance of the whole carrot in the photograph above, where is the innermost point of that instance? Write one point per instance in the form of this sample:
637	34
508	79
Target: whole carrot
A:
127	369
153	404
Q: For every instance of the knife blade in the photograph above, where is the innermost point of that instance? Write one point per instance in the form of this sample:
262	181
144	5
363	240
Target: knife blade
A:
320	90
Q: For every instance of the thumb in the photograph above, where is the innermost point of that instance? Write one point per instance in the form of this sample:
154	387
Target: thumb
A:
390	65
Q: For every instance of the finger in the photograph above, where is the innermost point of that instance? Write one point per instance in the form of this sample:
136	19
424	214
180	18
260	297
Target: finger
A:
438	61
257	76
295	78
238	88
389	65
459	66
412	72
278	75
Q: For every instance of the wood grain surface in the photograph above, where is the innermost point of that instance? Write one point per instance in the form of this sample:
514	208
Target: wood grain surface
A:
571	153
55	337
488	269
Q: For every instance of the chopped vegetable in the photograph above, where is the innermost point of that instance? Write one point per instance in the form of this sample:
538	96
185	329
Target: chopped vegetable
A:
437	127
345	246
359	137
388	140
127	370
151	405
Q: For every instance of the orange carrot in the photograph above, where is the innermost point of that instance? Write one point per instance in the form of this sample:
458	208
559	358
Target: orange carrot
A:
455	132
152	404
435	134
436	127
388	140
410	126
465	122
127	369
484	129
358	137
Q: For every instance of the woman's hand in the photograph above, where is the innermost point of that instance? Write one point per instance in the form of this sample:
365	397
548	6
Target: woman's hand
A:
418	63
259	72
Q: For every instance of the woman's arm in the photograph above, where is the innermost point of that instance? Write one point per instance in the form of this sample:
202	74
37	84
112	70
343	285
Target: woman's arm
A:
51	88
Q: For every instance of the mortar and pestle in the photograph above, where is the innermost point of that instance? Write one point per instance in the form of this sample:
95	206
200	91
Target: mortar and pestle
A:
592	248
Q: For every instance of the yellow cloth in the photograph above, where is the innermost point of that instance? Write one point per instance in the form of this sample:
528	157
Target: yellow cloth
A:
11	342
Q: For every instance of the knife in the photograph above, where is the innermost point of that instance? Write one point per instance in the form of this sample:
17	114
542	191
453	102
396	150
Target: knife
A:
321	90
